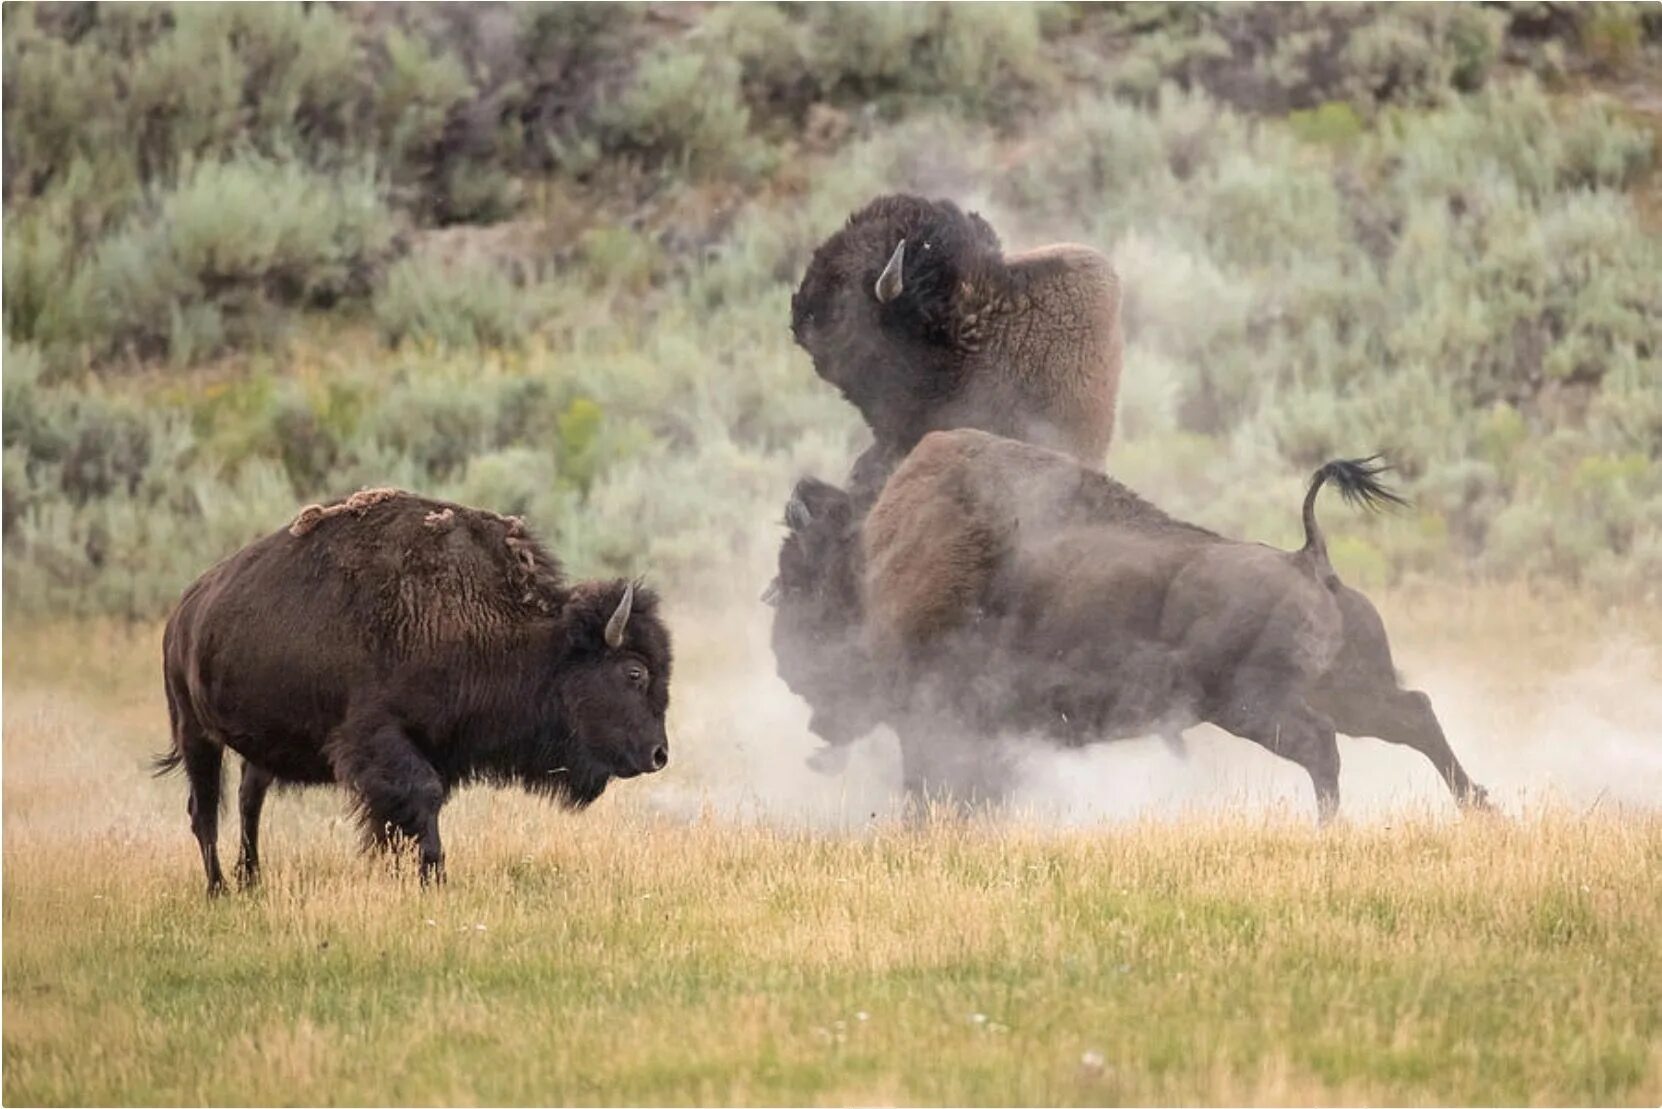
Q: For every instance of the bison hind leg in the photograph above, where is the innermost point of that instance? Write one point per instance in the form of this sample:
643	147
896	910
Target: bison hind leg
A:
1405	717
1258	707
1363	695
204	764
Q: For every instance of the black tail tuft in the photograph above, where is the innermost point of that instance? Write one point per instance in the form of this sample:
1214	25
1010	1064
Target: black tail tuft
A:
163	765
1357	480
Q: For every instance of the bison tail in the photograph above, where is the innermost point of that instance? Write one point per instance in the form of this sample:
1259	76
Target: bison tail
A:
163	765
1357	480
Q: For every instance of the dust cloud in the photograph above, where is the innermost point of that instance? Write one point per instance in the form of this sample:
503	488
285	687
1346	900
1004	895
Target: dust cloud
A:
1586	738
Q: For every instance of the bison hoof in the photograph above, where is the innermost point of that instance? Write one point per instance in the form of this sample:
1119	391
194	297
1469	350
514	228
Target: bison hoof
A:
1476	799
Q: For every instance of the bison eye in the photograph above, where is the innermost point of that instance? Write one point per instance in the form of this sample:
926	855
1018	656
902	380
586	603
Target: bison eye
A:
636	673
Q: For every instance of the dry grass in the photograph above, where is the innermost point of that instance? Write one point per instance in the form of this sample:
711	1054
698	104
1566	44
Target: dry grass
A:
639	954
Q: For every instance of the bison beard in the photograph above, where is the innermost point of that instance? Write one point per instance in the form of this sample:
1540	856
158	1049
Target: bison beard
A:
400	647
1006	589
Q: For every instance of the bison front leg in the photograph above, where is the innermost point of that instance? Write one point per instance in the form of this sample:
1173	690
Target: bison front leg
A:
250	803
944	764
399	792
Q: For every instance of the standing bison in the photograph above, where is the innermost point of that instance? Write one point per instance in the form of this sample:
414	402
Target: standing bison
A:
400	647
916	315
1005	588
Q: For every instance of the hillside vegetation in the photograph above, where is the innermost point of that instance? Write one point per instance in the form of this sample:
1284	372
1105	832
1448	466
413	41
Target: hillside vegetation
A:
539	257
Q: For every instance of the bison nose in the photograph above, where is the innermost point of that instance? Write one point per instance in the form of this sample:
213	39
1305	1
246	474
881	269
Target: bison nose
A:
660	757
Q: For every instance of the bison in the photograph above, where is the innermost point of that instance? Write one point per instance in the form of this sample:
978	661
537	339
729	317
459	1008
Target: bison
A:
1005	588
914	313
400	647
816	597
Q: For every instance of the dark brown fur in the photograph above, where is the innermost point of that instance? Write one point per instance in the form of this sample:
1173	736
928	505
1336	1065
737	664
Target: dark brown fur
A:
1027	346
1004	586
816	638
400	646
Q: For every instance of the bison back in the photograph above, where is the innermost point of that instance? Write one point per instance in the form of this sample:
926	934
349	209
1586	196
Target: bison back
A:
971	520
268	648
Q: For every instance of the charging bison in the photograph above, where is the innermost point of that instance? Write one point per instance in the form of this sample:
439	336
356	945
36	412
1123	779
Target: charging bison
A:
1004	588
915	314
399	647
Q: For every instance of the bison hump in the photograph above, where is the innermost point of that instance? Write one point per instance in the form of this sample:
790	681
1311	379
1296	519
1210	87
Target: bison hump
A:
432	572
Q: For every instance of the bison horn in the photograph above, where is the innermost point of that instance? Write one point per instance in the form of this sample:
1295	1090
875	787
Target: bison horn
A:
797	516
615	626
770	595
889	284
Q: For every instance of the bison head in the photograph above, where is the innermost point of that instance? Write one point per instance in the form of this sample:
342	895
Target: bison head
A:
883	312
613	685
816	628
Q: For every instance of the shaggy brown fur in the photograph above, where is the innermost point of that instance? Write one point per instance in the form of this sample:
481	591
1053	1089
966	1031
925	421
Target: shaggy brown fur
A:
1027	346
400	646
816	632
357	504
1003	583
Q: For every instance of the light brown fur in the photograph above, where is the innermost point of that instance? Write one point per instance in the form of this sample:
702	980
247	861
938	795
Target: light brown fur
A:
1045	352
357	504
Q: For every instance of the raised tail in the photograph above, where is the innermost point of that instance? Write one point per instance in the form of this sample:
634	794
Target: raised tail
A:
1357	480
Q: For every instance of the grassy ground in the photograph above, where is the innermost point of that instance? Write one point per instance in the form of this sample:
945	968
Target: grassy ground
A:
638	954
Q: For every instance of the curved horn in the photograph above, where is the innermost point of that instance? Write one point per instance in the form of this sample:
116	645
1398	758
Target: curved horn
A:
615	626
770	595
890	285
797	516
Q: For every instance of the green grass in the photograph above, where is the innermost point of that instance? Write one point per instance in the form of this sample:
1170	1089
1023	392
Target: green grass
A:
629	955
626	960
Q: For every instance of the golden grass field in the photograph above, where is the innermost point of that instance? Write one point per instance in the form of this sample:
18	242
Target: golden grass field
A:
739	930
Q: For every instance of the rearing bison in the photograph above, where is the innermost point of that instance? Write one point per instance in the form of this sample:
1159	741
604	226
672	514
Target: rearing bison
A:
1004	588
399	647
913	311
